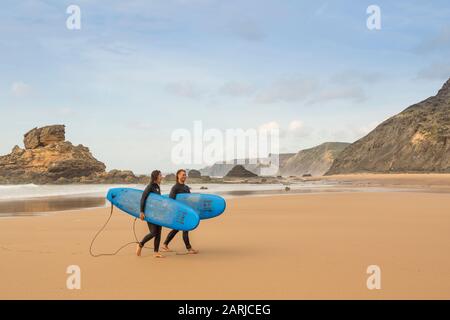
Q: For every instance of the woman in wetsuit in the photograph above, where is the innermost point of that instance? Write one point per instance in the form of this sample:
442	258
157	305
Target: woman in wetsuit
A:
179	187
155	230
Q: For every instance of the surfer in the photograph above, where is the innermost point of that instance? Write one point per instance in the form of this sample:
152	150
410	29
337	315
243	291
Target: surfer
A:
155	230
179	187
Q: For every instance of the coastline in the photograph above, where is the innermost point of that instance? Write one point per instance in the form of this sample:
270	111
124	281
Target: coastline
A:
33	199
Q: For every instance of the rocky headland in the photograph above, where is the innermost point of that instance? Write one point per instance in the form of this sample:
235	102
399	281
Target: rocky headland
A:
48	158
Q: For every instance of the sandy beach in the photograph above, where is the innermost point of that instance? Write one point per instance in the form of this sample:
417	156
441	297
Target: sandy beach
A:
426	181
324	125
309	246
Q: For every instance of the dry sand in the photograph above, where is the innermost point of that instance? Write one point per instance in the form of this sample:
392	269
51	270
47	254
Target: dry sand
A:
279	247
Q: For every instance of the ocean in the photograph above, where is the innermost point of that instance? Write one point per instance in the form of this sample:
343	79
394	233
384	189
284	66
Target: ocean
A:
31	199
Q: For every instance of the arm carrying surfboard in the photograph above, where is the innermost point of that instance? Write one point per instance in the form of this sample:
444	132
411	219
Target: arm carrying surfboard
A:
206	205
159	210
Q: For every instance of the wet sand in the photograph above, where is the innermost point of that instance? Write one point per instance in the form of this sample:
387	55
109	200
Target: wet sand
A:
338	183
42	205
311	246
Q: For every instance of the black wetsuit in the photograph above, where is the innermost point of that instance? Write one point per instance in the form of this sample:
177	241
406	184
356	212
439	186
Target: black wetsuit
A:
176	189
155	230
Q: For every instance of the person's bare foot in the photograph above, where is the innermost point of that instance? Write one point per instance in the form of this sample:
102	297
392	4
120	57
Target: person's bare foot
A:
192	251
138	250
158	255
166	248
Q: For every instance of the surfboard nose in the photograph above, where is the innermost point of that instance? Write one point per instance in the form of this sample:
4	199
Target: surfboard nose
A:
112	193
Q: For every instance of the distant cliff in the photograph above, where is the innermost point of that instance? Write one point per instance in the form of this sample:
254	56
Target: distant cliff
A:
48	158
314	161
415	140
220	169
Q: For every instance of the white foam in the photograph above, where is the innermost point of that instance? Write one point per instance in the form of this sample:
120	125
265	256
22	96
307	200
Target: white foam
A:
27	191
18	186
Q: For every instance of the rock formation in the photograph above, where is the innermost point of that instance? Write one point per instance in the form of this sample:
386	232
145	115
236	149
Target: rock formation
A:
48	158
170	177
314	161
41	137
240	172
194	174
415	140
220	169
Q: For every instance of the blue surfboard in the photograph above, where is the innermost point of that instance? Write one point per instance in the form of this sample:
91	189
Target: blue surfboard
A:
159	210
206	205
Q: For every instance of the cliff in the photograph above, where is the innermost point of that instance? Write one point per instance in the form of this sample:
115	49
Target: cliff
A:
415	140
314	161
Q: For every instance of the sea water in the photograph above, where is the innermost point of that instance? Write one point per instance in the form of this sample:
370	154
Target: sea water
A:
32	191
31	199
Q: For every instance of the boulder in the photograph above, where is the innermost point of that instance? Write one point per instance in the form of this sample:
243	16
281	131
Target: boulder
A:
17	150
170	177
41	137
194	174
117	176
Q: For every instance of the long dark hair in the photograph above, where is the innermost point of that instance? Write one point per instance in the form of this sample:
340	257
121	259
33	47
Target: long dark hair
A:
154	176
178	172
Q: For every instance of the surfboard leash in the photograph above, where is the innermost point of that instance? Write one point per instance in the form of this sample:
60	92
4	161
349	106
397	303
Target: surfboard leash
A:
123	246
120	248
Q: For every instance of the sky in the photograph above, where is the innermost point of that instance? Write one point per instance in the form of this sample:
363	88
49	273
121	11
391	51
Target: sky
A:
136	71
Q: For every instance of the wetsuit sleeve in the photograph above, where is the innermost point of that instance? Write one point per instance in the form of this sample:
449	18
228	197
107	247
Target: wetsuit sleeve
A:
173	192
144	197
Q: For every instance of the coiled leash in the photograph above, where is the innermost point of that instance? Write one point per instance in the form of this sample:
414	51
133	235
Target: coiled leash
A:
120	248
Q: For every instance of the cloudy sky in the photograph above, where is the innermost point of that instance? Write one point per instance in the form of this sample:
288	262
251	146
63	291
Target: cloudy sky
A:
138	70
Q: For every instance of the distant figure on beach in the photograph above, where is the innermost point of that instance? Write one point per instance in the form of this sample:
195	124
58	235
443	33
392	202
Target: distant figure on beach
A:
179	187
155	230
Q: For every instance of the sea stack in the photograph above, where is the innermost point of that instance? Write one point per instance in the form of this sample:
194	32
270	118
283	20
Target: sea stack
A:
239	171
49	158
